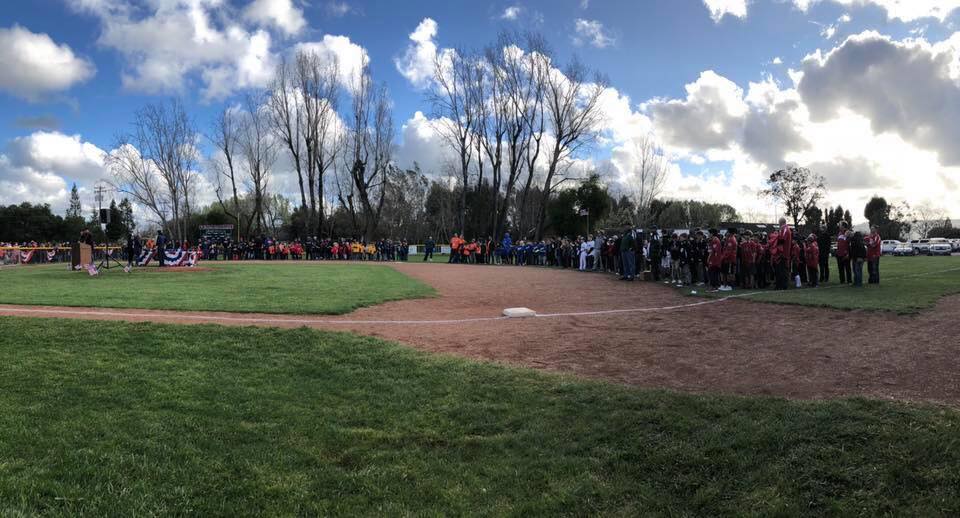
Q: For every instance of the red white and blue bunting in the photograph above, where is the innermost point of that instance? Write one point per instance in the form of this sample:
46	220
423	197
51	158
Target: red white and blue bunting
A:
170	257
25	257
145	256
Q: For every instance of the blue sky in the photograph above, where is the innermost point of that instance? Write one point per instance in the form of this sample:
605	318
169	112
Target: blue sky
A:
653	52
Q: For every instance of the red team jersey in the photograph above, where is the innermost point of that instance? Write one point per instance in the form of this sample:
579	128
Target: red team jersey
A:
813	255
730	249
716	253
843	248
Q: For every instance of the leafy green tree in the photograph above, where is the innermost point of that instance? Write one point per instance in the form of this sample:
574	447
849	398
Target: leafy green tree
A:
592	196
75	210
116	231
126	215
797	188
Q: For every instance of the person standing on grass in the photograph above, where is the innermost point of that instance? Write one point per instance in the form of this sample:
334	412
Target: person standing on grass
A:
823	244
843	253
586	247
748	259
781	247
715	259
813	261
729	265
653	254
161	247
507	246
858	254
874	249
628	254
428	249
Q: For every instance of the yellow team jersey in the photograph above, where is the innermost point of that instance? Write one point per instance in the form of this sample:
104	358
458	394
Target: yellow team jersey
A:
371	249
357	248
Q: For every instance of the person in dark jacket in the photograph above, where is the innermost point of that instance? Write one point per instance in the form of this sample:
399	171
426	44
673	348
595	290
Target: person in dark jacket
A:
161	247
130	249
628	254
823	242
858	255
656	249
428	249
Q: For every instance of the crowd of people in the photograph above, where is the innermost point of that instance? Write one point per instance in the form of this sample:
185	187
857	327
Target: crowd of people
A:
724	260
270	249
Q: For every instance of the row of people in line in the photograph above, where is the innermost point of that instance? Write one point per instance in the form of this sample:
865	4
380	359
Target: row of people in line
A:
722	260
268	248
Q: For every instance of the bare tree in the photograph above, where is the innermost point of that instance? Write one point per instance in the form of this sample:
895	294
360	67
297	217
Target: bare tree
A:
926	218
285	109
319	86
648	176
536	127
522	100
259	152
454	75
136	176
225	136
573	111
370	149
161	168
489	100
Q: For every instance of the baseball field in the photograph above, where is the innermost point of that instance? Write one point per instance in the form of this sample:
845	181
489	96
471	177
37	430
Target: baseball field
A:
397	389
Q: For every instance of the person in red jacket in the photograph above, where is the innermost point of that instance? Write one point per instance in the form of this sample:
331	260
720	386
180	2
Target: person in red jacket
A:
874	250
781	265
715	259
730	248
813	261
843	253
749	252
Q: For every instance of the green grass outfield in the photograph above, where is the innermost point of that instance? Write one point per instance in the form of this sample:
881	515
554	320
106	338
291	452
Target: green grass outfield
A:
109	418
302	288
907	285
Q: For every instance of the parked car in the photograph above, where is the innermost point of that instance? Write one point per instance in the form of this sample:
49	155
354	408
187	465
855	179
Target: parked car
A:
939	246
922	246
904	249
889	245
940	249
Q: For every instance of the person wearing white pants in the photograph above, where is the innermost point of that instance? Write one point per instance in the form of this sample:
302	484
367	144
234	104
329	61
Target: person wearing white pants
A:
586	247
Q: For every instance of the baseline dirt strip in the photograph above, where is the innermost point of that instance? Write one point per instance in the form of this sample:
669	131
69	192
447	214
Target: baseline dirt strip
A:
639	334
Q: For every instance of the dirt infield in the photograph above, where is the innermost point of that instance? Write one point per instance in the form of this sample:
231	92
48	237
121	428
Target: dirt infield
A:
731	346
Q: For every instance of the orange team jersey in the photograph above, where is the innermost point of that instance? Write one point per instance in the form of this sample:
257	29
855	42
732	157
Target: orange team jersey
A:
455	243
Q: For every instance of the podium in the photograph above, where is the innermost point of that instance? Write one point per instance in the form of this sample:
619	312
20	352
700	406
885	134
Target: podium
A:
80	254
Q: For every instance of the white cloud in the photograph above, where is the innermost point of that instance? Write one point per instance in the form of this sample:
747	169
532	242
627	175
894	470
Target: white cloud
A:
40	167
35	66
338	9
421	142
174	41
511	13
278	13
909	88
591	32
417	62
351	58
777	61
904	10
720	8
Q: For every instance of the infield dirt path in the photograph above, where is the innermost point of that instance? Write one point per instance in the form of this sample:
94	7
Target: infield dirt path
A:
733	346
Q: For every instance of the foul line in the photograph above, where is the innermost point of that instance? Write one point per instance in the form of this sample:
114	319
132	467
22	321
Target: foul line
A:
305	321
